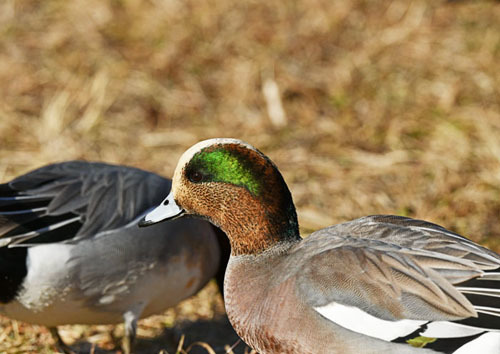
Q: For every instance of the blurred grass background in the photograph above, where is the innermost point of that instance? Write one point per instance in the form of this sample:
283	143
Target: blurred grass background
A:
366	107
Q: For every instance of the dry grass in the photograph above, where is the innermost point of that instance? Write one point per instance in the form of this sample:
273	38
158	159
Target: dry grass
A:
366	106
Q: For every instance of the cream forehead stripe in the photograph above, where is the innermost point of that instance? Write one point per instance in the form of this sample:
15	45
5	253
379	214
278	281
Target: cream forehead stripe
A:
189	153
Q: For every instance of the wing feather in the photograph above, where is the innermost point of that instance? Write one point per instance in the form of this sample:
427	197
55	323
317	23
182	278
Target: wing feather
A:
40	205
386	280
409	272
416	234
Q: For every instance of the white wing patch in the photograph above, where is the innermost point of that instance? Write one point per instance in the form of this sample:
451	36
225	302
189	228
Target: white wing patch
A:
488	343
444	329
359	321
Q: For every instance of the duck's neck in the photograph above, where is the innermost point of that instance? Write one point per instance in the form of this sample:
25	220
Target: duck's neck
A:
262	233
256	224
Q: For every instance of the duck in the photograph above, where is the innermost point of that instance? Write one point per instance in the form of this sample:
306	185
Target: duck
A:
71	251
377	284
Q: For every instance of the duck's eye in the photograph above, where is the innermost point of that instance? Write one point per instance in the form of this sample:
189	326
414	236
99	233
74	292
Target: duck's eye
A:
195	177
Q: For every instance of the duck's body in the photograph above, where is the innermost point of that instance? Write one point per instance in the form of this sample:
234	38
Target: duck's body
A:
371	285
269	320
289	301
99	282
73	254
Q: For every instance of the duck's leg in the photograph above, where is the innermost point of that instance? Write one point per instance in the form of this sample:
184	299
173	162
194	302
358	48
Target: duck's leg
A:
59	342
130	318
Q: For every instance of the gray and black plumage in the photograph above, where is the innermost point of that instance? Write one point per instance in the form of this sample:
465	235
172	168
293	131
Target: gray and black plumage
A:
71	251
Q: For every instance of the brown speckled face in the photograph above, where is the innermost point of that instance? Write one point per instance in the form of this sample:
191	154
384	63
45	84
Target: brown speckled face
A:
238	189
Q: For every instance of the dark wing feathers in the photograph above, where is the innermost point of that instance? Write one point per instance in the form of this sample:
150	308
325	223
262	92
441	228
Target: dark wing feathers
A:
67	200
74	200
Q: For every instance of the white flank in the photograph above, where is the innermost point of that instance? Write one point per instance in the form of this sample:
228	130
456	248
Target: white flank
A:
488	343
359	321
42	285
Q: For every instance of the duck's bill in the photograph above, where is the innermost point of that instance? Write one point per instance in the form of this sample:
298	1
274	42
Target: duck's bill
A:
167	210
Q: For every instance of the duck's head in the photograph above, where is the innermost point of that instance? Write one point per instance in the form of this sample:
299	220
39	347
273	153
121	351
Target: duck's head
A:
235	187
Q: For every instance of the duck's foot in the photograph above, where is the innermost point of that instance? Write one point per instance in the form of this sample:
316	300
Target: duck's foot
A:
130	319
127	344
129	338
61	346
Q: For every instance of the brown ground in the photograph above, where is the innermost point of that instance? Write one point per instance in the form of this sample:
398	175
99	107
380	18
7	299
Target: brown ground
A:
382	107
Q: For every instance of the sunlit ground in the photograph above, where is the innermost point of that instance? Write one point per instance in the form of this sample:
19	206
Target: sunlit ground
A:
366	107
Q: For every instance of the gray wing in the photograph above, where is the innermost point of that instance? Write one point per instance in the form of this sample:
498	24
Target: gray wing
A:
72	200
397	268
416	234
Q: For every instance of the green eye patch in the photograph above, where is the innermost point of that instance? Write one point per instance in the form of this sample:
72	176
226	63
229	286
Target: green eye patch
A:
225	165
